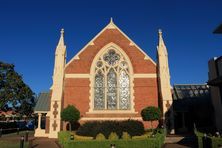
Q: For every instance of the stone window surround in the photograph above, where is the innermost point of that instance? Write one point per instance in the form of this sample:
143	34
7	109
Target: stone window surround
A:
91	97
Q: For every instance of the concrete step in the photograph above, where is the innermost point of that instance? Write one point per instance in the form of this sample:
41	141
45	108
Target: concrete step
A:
180	141
173	139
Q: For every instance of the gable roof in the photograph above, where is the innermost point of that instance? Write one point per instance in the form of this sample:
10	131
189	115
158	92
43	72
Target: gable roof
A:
43	102
111	25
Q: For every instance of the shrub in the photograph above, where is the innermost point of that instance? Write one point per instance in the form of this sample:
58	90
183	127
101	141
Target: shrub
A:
140	137
213	142
113	136
70	114
126	136
216	142
155	142
132	127
82	138
151	113
100	136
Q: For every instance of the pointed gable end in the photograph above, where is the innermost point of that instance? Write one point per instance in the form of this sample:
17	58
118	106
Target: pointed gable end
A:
81	62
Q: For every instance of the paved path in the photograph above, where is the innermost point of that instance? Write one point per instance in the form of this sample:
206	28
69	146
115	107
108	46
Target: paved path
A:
188	141
44	143
33	142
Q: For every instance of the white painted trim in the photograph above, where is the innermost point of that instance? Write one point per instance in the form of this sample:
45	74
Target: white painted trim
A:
110	118
77	75
40	133
150	75
91	43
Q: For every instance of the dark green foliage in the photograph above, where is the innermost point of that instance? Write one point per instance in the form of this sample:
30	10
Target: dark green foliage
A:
133	127
14	91
151	113
70	114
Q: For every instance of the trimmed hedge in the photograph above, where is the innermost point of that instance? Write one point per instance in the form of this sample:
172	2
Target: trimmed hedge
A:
209	141
126	136
100	136
83	138
216	142
64	137
154	142
113	136
132	127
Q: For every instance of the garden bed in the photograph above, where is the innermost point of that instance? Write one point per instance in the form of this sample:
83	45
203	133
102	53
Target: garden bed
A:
155	141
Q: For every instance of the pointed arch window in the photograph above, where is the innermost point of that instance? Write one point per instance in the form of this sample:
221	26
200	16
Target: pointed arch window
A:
111	82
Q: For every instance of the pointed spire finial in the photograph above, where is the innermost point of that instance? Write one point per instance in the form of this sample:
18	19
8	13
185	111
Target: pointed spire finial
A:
61	40
160	32
111	25
111	20
62	31
161	44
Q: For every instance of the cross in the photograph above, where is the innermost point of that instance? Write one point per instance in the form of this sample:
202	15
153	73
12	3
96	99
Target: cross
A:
54	125
55	112
55	106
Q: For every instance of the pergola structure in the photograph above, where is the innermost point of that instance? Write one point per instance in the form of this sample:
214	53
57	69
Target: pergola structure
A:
42	108
187	99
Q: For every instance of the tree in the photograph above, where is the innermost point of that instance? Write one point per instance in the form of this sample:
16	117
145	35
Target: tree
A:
14	93
70	114
151	113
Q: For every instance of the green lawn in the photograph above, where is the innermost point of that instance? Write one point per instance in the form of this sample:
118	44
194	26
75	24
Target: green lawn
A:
9	144
12	140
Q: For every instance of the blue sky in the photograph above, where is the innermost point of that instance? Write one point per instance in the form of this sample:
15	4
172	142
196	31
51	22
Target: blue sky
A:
29	32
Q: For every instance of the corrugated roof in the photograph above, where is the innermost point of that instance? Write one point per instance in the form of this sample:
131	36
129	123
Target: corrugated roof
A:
43	102
190	91
188	95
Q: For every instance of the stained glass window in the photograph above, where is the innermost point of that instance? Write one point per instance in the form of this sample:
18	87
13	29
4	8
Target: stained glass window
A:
124	90
99	91
111	57
112	82
111	89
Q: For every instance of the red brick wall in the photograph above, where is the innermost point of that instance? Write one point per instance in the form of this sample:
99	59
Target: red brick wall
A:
76	90
145	92
111	35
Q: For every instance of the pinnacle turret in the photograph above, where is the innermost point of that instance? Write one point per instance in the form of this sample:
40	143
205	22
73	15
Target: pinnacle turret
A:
61	40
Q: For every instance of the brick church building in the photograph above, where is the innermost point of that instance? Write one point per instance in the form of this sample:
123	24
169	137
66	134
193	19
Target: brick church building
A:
111	78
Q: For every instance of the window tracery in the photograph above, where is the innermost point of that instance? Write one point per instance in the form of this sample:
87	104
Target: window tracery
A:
112	82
